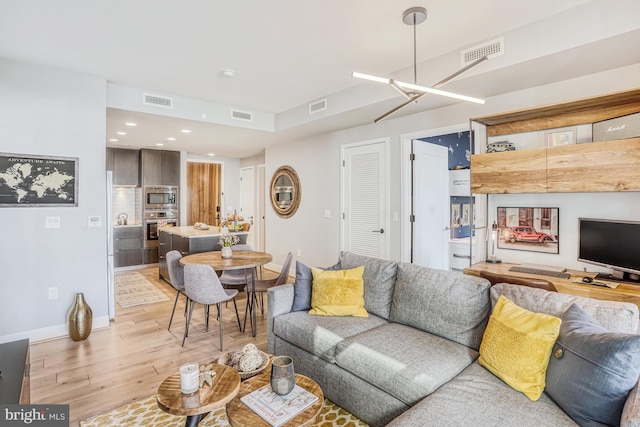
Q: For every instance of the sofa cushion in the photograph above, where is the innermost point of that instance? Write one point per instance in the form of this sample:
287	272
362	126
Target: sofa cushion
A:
615	316
478	398
338	293
303	284
516	346
320	334
451	305
379	278
592	370
405	362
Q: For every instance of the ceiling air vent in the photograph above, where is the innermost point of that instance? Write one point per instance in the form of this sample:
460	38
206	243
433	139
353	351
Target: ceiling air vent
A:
489	49
317	106
157	100
242	115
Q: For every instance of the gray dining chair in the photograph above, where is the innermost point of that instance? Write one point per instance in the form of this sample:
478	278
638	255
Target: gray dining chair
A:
202	286
237	279
261	286
176	276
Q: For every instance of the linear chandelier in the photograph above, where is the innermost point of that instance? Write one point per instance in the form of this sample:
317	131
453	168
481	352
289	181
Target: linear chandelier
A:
413	92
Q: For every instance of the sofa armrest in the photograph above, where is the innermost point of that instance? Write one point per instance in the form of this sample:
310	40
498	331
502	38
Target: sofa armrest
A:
631	411
279	301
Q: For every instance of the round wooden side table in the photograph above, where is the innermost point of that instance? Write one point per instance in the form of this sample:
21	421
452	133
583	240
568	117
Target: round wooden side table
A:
240	415
197	405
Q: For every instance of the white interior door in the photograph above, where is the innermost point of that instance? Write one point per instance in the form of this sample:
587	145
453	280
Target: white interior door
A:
365	198
259	220
430	205
247	199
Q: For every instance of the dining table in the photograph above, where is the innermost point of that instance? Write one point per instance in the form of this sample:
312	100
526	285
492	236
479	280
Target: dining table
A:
239	260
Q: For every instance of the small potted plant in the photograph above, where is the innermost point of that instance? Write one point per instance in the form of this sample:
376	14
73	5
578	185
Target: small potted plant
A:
226	241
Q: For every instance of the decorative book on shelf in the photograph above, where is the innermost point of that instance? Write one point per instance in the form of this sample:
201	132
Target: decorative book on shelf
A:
276	409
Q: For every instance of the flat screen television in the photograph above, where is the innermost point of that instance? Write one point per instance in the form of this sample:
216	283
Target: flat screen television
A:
613	244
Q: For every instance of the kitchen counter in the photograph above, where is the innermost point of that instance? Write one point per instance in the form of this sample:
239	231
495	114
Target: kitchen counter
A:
190	232
128	225
187	240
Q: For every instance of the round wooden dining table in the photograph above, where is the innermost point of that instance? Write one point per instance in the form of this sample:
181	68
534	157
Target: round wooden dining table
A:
240	260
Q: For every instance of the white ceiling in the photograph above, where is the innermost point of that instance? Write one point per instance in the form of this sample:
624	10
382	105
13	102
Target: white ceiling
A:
285	53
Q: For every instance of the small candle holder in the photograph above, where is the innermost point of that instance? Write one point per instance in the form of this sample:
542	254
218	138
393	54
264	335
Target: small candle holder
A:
283	377
189	376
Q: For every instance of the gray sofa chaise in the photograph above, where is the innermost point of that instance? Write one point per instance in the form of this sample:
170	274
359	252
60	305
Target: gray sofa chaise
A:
413	361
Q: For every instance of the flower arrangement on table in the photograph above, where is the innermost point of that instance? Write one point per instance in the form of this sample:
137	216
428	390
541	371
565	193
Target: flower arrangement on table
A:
227	240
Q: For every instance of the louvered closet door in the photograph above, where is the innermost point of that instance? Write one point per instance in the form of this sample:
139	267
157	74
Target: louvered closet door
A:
365	199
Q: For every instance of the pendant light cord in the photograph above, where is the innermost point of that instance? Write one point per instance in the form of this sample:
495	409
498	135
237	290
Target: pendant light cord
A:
415	66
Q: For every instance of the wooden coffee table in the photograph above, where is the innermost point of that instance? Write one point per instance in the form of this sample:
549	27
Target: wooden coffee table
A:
197	405
240	415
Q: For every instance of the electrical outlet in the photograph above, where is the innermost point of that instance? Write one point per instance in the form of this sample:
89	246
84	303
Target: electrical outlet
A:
53	293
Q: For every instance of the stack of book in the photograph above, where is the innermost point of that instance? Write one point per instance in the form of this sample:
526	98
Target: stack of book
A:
276	409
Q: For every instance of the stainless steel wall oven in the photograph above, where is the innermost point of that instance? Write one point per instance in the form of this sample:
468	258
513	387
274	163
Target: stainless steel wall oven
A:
155	219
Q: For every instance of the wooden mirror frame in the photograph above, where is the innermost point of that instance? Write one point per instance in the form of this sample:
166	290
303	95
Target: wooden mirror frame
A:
296	193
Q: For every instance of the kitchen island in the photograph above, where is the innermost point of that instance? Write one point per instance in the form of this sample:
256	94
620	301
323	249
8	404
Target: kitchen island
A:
188	240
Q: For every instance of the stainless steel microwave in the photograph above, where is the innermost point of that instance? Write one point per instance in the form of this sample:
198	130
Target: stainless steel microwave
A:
160	197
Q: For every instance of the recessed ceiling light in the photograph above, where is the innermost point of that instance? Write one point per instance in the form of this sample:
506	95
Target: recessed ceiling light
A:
185	131
121	133
159	144
130	124
212	154
171	139
227	72
113	139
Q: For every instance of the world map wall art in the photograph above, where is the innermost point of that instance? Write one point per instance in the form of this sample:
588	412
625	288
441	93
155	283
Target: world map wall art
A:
27	180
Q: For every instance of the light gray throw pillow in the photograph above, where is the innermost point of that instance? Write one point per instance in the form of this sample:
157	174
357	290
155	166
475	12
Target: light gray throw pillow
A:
303	285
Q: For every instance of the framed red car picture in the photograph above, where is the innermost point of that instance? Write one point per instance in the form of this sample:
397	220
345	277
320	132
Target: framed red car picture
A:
529	229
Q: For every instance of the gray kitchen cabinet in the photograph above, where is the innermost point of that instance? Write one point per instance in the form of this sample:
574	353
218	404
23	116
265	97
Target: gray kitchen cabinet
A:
127	246
160	167
164	246
125	165
150	256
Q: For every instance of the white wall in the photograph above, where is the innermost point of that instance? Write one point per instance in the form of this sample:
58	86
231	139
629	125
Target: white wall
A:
46	111
316	161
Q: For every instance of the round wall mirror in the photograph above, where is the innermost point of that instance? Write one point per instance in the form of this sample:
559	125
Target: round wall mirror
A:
285	191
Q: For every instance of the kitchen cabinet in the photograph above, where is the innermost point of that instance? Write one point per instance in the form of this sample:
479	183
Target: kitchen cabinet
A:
187	241
586	167
125	165
127	246
160	167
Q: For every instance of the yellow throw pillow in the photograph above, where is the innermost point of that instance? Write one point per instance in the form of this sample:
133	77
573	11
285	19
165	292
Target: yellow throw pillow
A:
516	346
338	293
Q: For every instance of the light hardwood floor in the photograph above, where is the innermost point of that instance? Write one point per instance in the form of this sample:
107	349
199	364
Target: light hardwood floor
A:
127	361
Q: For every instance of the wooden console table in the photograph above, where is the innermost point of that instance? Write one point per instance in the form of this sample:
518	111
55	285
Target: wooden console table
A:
624	292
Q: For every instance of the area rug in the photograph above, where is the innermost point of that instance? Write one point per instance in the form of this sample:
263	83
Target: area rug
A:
134	289
147	413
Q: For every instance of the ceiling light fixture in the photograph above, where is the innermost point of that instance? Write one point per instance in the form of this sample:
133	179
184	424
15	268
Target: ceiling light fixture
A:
413	92
171	139
185	131
130	124
113	140
159	144
227	72
121	133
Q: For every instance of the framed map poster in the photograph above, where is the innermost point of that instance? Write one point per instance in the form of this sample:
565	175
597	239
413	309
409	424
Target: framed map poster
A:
28	180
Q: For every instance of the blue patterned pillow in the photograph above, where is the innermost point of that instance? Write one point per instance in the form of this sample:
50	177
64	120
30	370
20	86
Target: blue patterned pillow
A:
302	286
592	370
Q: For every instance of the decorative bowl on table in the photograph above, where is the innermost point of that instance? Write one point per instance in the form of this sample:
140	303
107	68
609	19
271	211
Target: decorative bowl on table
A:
249	361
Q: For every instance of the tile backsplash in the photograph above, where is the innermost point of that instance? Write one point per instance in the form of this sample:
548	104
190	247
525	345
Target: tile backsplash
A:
127	200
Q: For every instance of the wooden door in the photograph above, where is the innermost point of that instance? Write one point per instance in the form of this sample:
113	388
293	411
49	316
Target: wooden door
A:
204	193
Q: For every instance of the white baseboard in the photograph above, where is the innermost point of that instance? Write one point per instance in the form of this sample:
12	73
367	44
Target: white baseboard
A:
51	332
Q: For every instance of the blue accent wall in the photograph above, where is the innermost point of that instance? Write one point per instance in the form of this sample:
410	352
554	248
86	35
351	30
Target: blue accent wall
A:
458	146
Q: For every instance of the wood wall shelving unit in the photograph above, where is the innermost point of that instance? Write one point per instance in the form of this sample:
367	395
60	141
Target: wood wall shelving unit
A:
587	167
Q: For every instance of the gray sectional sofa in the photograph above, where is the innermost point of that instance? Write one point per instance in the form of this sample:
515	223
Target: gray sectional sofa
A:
413	361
